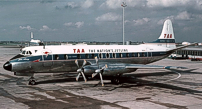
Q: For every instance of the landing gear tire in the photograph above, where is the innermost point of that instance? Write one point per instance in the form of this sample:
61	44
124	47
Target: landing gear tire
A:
115	81
32	82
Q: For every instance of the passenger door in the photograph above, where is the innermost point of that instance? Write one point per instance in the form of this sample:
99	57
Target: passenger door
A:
47	58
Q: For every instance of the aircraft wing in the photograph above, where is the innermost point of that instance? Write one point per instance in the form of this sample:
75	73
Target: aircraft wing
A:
140	66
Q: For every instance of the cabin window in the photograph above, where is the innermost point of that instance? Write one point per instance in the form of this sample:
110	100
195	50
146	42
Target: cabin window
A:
86	56
56	57
114	55
138	54
127	55
100	55
78	56
92	56
143	54
107	55
120	55
65	57
133	54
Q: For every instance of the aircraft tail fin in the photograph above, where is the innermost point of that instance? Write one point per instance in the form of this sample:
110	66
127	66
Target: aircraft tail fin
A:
167	31
167	37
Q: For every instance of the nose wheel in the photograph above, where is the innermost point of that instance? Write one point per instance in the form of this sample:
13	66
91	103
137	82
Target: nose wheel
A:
32	81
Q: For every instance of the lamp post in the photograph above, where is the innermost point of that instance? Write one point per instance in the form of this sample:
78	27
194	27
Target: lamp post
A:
123	5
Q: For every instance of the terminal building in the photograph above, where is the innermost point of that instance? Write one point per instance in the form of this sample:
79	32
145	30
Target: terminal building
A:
193	52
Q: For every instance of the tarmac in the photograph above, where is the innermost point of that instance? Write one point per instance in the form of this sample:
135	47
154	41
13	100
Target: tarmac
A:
143	89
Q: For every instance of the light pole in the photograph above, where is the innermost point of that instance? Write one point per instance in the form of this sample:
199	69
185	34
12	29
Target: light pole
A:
123	5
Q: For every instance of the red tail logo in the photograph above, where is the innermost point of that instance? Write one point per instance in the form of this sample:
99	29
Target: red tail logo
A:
167	36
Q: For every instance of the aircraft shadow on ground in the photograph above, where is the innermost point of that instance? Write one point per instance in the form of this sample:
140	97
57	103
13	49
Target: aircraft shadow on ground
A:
134	80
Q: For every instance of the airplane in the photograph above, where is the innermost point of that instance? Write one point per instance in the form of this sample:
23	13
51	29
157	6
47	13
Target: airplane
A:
34	42
91	60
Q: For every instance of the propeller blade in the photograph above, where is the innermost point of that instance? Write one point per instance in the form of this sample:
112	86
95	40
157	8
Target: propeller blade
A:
84	63
101	79
106	66
83	76
96	59
94	74
77	63
77	78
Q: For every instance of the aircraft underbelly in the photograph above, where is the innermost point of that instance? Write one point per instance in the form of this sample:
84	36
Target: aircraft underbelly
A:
70	66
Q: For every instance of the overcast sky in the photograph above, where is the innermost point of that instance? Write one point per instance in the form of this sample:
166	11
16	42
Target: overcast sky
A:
98	20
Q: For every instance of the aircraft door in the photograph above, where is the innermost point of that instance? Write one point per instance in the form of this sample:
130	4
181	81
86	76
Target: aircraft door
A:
47	58
149	56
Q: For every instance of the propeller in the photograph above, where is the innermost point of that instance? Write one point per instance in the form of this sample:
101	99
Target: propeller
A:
80	70
99	71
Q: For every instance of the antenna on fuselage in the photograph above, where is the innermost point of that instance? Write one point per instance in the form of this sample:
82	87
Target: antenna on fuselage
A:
123	5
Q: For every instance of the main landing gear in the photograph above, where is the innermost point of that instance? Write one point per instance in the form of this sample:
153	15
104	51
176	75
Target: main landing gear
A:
32	80
116	79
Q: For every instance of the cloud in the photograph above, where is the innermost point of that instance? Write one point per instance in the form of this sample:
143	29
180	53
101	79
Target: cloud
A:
87	4
108	17
46	28
68	24
160	22
114	4
74	5
25	27
141	21
183	16
77	24
71	5
168	3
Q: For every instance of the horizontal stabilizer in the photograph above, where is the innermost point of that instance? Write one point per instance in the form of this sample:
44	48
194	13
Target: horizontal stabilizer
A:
183	47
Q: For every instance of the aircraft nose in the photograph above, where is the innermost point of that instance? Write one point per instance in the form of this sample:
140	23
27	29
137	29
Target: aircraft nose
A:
7	66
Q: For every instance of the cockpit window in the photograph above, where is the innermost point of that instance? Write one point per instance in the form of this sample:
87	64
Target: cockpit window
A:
26	52
23	52
30	52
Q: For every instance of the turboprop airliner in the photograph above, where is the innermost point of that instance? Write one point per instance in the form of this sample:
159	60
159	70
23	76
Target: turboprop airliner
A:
91	60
